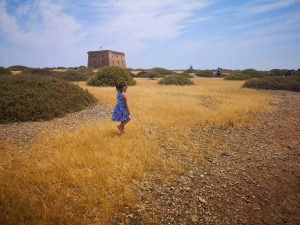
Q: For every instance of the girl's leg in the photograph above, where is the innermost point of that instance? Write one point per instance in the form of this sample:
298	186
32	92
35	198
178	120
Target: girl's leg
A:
123	123
120	127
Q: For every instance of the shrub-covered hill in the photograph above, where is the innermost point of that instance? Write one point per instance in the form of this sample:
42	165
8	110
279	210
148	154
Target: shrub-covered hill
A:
246	74
291	83
110	76
31	98
176	80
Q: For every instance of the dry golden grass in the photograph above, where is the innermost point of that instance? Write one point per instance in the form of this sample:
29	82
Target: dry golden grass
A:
85	177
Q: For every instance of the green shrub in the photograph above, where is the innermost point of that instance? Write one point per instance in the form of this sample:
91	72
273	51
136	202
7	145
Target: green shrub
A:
70	75
4	71
31	98
38	72
143	74
150	74
279	72
291	83
155	74
203	73
110	76
245	74
185	74
18	67
237	76
161	71
86	71
254	73
176	80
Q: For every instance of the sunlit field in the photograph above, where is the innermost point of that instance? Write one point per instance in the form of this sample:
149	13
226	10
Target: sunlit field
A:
85	177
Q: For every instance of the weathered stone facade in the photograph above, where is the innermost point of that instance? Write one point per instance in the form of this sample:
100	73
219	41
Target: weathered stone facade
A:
102	58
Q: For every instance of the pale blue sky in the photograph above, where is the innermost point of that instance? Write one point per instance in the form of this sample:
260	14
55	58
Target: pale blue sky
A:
175	34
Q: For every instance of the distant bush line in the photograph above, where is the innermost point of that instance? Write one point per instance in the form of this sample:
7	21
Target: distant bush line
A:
176	80
70	75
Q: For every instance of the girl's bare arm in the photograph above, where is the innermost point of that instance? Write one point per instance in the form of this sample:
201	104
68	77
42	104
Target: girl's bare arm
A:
126	105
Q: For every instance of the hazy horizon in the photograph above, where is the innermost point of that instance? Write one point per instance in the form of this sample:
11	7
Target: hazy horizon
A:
172	34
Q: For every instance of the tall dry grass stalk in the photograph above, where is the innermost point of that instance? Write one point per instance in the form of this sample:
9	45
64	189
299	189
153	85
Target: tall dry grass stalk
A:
85	177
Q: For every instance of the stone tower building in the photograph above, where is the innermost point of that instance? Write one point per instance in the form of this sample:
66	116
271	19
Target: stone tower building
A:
97	59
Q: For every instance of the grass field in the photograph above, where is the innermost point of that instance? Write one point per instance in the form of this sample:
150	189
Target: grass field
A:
85	177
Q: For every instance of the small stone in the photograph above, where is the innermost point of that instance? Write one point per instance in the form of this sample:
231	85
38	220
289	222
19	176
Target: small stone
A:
194	218
202	200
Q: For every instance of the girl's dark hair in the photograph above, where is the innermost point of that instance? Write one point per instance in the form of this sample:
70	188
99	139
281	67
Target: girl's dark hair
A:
120	86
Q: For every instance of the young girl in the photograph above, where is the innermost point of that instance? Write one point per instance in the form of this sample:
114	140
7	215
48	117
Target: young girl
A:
121	111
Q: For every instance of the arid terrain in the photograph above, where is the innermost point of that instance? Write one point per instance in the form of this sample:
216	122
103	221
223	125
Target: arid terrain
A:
211	153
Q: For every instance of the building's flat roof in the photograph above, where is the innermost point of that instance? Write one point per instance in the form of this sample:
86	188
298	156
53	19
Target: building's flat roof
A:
106	51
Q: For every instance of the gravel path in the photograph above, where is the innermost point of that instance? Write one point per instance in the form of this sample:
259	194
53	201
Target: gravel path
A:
251	178
25	133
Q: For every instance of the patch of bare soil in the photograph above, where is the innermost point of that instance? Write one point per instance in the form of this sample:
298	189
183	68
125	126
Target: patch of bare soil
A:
251	176
25	133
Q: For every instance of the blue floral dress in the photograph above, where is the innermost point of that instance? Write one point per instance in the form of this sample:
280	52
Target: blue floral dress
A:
120	112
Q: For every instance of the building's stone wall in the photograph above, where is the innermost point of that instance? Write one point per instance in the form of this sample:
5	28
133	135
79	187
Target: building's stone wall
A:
97	59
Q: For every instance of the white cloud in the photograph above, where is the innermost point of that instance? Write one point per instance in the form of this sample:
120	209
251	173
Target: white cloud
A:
257	7
54	32
136	23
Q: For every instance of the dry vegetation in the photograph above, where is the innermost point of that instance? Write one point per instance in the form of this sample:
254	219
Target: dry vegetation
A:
85	177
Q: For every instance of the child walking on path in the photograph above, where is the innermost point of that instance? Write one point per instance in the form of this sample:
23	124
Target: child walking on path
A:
121	111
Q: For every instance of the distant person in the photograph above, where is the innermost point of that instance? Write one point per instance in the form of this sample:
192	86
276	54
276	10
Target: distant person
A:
121	111
214	73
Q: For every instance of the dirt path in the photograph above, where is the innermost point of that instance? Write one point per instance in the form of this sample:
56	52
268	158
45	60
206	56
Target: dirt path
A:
252	178
25	133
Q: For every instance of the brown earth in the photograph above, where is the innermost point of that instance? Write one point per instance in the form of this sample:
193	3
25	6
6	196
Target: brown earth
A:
25	133
251	177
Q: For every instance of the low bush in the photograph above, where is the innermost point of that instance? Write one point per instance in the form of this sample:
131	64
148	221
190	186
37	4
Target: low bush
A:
279	72
155	74
237	76
161	71
245	74
86	71
110	76
18	67
185	74
38	72
31	98
203	73
254	73
150	74
176	80
143	74
70	75
291	83
4	71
